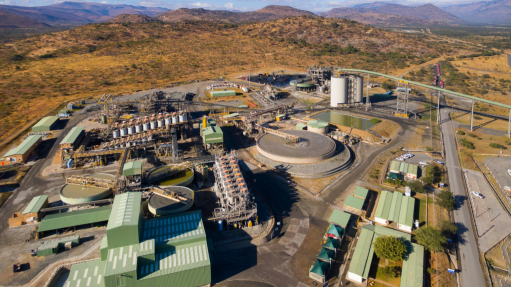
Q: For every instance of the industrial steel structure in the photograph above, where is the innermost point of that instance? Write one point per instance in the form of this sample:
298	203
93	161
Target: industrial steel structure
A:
235	200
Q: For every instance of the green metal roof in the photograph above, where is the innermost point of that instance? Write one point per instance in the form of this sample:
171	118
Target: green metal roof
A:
361	257
242	106
331	243
212	134
90	274
385	231
403	167
361	192
125	210
393	175
132	168
412	274
124	259
54	243
300	126
232	115
45	124
430	87
317	124
340	218
320	267
174	230
394	165
24	146
354	202
35	204
212	130
74	218
280	116
395	207
72	135
337	231
223	93
413	169
407	209
383	207
326	254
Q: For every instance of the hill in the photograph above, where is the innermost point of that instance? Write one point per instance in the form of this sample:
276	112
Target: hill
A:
77	13
371	17
40	73
383	14
132	18
268	13
495	12
11	21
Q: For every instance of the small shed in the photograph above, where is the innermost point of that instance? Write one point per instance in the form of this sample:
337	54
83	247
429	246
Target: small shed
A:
132	168
354	202
30	213
319	270
226	93
326	255
331	244
394	176
394	166
280	117
413	171
54	246
405	222
70	106
340	218
45	124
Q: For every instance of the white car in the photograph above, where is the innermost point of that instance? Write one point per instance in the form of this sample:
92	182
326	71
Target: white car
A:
423	163
399	159
478	194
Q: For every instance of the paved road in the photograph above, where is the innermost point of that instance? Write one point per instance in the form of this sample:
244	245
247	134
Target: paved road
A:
471	271
509	60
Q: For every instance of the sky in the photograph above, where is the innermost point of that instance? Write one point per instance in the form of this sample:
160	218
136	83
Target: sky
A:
242	5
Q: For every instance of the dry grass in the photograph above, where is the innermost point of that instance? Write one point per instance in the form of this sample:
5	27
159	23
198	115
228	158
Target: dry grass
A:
105	58
482	143
496	63
495	256
498	124
386	129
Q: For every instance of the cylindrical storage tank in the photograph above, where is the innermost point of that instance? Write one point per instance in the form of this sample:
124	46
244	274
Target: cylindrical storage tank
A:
168	121
116	134
185	117
161	123
124	132
146	126
339	91
322	89
131	130
138	128
181	118
359	96
153	125
175	119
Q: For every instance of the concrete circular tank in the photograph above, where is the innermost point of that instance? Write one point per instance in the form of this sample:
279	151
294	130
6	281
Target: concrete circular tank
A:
76	194
312	147
182	178
162	205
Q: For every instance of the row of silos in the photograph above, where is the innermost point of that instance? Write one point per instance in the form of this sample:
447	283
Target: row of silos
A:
148	123
340	90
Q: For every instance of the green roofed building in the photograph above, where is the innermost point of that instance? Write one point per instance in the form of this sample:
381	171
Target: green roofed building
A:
73	137
227	93
212	136
403	168
405	221
21	153
331	244
73	218
132	168
395	207
54	246
340	218
163	251
413	264
326	255
354	202
383	208
319	270
361	192
36	204
394	166
413	171
45	124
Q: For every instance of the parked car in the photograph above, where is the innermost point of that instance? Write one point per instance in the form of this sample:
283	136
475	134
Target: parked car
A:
478	194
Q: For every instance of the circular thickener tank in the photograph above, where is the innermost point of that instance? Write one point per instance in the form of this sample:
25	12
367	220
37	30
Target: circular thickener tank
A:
339	91
161	205
76	194
359	96
182	178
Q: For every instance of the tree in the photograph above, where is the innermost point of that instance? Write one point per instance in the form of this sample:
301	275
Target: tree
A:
389	271
448	227
416	186
446	199
390	248
431	238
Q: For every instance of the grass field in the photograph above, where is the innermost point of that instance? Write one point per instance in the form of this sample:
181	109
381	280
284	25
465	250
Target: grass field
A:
485	122
482	143
3	197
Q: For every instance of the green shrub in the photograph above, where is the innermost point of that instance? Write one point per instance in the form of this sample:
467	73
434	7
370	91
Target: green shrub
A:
497	145
476	117
461	133
472	135
375	121
389	271
431	270
467	144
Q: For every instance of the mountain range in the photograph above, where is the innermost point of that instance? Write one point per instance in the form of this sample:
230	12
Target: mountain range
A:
495	12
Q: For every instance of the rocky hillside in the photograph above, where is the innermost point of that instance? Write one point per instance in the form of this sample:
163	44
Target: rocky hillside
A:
132	19
371	17
11	21
496	12
272	12
427	12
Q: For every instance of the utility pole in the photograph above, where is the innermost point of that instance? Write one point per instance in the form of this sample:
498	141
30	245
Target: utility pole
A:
438	109
368	102
249	78
472	118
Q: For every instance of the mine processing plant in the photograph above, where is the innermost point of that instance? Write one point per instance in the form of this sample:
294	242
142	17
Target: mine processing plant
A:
235	200
346	90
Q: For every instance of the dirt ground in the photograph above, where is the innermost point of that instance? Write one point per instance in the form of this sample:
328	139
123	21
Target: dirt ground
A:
386	129
499	124
482	143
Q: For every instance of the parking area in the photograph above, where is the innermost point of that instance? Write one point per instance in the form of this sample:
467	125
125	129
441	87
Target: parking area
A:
491	220
498	167
417	158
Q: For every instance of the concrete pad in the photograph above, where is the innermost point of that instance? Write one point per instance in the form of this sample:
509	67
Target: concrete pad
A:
285	241
304	223
295	221
292	228
285	268
289	235
299	238
290	250
492	221
302	230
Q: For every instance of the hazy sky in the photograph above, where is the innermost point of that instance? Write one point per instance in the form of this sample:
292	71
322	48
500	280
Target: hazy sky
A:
242	5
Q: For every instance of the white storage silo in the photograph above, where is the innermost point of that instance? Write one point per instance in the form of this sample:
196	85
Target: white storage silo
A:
175	119
359	94
181	118
124	132
146	126
153	125
138	128
168	121
339	91
161	123
131	130
116	134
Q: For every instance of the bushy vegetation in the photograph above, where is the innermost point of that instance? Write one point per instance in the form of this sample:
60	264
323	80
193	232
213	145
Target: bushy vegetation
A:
461	133
390	248
416	186
375	121
497	145
446	199
466	143
431	238
432	174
